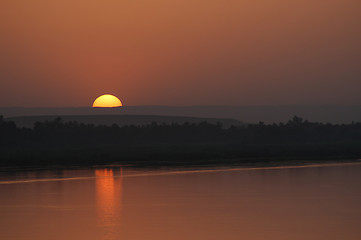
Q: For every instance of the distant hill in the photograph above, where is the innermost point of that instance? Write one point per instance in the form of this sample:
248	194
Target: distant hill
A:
121	120
251	114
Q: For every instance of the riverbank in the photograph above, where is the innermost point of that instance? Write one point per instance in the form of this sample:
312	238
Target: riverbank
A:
59	144
178	156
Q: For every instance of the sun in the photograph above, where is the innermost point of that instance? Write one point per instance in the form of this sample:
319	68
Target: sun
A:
107	101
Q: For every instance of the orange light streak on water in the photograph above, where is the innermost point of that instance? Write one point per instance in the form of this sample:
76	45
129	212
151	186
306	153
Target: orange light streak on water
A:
108	201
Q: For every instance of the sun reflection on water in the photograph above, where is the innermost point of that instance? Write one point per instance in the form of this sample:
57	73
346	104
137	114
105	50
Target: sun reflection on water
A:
108	185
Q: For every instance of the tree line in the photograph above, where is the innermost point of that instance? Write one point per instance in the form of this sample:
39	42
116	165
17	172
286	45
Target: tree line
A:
57	133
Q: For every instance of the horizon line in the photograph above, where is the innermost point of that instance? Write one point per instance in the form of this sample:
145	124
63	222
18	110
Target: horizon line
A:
200	105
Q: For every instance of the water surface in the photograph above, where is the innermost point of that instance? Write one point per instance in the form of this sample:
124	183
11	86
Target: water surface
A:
314	202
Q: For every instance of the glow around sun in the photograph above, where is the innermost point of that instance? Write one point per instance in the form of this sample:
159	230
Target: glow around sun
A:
107	101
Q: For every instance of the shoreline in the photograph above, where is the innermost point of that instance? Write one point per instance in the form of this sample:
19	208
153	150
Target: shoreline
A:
219	164
177	156
176	171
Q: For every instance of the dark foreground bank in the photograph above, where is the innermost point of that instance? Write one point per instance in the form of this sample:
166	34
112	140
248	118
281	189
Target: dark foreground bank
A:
61	144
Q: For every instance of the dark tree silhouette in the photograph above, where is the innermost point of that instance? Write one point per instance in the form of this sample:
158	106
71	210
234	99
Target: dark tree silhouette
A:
73	140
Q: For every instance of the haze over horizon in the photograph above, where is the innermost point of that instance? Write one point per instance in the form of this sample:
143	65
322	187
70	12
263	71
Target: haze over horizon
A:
180	53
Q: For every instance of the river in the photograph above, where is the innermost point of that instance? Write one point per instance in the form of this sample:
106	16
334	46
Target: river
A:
306	202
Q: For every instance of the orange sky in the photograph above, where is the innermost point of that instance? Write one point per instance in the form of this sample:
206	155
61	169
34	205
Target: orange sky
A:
180	52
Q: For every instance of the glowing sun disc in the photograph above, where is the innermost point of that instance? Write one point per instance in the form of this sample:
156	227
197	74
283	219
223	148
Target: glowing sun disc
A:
107	101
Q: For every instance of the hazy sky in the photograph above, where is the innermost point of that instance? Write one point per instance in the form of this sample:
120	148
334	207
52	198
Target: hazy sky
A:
180	52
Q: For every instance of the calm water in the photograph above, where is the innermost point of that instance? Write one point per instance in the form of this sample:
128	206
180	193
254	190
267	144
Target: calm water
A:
111	203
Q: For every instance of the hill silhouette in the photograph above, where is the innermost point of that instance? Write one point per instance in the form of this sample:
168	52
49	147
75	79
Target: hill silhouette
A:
121	120
248	114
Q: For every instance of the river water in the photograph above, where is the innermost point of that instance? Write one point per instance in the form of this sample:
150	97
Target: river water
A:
310	202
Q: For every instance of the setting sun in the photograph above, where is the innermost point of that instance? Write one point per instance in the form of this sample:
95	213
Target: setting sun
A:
107	100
